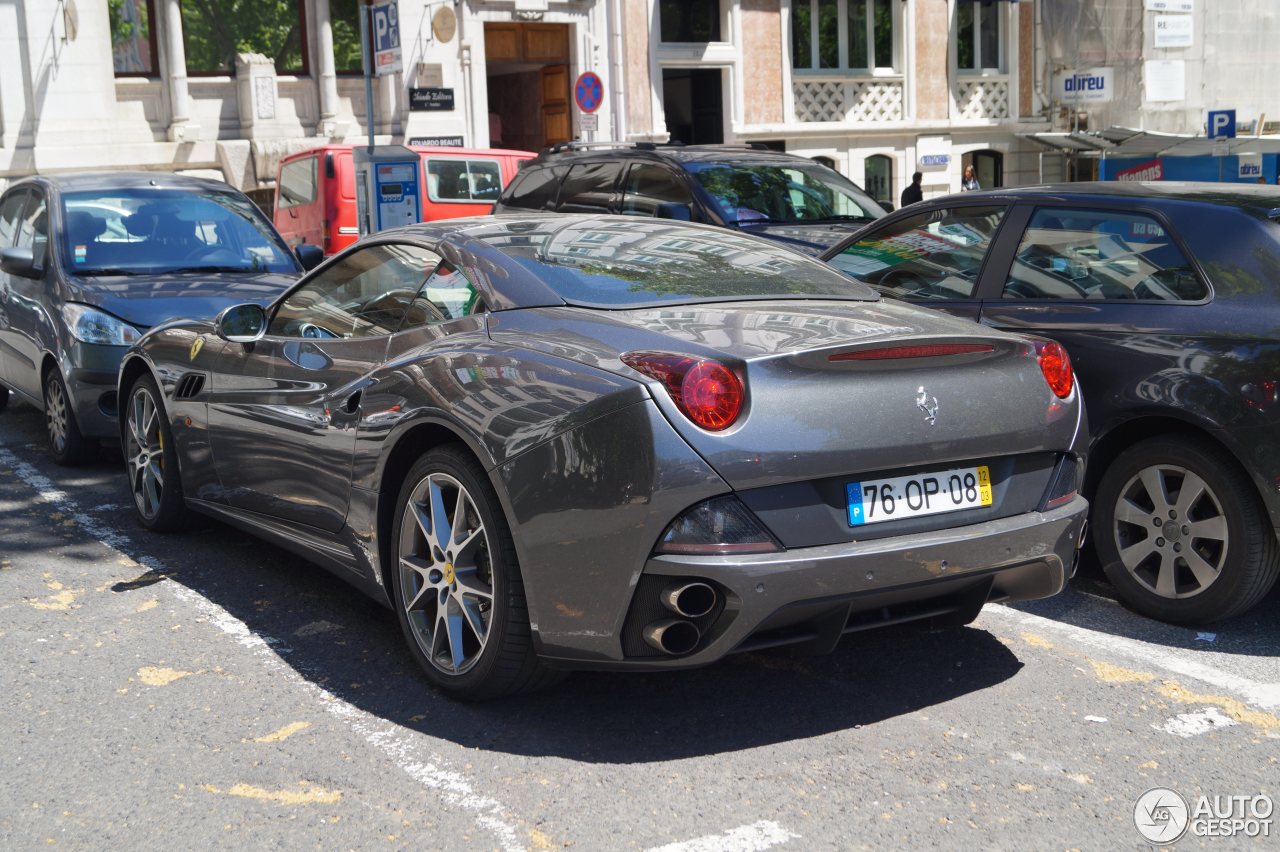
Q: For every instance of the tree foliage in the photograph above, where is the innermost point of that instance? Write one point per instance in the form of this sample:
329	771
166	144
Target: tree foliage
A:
214	31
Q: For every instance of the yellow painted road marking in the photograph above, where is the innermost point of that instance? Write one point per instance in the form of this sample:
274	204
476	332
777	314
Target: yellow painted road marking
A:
312	795
154	676
284	733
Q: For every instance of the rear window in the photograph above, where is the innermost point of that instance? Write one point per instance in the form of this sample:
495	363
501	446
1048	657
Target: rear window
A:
466	181
534	188
640	262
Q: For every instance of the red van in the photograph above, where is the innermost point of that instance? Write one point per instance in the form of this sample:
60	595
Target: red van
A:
316	190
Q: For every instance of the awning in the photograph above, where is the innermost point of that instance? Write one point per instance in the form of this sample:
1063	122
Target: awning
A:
1130	142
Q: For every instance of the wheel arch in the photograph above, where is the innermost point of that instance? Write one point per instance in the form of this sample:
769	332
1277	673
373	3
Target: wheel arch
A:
406	448
131	368
1108	446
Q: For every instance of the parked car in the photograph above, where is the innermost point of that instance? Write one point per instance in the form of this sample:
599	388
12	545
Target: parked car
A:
794	200
88	262
598	442
1165	295
316	190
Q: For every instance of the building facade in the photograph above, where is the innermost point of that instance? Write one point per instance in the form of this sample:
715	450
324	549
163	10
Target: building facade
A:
876	88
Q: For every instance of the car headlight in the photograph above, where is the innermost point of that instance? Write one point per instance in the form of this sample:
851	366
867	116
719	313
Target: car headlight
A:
90	325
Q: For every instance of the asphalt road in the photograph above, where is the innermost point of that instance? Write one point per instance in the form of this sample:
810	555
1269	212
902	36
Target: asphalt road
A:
208	690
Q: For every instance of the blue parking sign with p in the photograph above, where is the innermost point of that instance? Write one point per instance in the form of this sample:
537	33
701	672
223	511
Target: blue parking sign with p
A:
1222	124
386	37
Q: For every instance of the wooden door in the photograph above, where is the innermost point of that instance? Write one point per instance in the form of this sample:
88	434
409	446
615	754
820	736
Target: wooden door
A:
555	105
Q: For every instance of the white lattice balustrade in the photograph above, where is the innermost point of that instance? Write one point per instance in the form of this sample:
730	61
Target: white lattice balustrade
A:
983	98
848	99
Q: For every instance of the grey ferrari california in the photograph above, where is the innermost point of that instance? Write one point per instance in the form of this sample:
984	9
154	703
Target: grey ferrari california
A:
557	442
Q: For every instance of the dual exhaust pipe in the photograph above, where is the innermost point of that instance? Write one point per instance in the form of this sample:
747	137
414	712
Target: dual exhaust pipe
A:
678	636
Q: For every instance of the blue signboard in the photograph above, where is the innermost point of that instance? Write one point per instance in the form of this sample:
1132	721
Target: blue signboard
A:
588	92
1222	124
386	38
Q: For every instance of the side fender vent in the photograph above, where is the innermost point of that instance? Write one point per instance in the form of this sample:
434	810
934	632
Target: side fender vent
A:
189	386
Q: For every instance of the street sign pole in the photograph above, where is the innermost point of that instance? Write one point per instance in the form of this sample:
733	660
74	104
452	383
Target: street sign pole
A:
366	62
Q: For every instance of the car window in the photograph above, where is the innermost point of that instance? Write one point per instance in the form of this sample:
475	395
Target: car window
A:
365	294
1069	253
534	188
466	181
10	210
649	186
932	255
588	188
297	183
446	295
146	230
33	227
782	192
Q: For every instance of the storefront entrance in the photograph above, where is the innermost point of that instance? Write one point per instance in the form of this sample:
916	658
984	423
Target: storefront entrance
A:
527	70
693	105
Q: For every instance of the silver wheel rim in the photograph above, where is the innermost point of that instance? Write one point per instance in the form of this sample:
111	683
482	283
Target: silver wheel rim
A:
145	452
1171	531
55	414
446	576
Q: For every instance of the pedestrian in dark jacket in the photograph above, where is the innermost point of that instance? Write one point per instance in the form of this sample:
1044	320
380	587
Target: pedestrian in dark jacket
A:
913	193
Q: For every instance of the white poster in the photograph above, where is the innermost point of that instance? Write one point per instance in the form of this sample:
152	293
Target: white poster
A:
1249	166
1093	85
1165	80
1174	31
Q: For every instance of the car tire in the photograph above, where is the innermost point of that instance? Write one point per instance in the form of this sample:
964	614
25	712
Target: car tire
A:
1190	558
461	604
66	443
151	460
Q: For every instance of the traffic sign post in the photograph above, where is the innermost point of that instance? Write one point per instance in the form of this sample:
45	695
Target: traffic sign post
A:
588	94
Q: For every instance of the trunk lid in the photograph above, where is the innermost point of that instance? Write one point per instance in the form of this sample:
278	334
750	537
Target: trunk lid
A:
808	416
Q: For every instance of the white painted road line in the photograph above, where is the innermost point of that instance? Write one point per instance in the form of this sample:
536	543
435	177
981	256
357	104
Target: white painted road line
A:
1194	724
434	774
1265	696
747	838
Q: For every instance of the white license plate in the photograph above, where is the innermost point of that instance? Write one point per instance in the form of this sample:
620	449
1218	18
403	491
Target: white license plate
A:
875	500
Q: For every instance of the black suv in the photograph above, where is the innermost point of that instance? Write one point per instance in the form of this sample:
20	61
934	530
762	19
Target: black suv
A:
793	200
1165	296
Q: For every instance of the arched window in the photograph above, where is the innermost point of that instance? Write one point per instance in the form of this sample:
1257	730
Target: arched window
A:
879	177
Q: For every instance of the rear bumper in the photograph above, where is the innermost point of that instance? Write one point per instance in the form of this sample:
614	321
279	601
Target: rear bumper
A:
812	596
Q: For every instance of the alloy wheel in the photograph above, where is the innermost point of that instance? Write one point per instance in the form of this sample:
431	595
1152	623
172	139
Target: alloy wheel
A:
1171	531
145	452
55	414
445	573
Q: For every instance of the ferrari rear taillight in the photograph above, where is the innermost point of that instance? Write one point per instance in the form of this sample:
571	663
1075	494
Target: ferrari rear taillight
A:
707	392
1056	367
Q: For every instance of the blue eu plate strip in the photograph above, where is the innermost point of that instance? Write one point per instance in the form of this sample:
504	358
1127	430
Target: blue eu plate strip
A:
854	492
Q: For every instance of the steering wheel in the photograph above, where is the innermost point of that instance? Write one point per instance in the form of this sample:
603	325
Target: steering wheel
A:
906	281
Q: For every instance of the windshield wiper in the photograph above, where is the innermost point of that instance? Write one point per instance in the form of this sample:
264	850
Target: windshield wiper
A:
181	270
99	271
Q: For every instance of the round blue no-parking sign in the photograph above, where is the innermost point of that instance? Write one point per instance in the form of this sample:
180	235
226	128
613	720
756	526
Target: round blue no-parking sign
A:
588	92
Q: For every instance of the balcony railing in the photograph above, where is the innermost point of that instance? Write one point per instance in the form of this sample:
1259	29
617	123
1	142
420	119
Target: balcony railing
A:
846	99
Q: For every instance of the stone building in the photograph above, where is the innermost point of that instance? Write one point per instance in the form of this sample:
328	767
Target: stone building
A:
876	88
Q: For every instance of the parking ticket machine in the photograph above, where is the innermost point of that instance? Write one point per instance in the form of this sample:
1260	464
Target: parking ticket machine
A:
388	188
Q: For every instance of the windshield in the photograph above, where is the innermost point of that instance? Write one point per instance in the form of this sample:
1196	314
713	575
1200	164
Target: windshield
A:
794	192
618	262
144	231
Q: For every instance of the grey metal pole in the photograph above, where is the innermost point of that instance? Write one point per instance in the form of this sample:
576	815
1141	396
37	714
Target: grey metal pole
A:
366	61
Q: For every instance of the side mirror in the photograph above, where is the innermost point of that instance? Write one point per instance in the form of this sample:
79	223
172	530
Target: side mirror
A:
671	210
888	208
20	262
242	323
308	255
